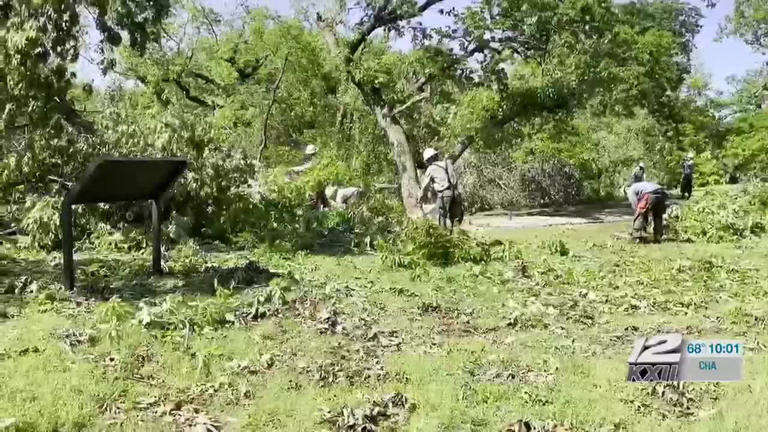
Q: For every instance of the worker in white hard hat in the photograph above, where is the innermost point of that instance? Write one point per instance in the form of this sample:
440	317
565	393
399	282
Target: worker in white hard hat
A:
318	200
638	175
441	178
686	185
310	160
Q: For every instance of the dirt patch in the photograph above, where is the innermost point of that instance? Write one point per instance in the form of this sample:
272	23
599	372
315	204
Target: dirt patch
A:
537	218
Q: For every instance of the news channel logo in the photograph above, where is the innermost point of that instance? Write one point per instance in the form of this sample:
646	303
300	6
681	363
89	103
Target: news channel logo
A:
673	358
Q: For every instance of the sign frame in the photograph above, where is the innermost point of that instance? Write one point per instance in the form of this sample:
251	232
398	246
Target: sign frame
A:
113	180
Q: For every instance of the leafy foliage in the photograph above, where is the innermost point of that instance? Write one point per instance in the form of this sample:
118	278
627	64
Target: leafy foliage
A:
746	152
725	216
41	223
187	259
185	315
41	39
425	243
385	411
709	170
749	22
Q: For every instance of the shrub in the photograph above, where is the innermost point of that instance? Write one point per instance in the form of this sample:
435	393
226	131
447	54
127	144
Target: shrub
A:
186	259
41	223
424	242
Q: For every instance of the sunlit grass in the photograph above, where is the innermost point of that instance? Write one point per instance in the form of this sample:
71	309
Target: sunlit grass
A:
476	346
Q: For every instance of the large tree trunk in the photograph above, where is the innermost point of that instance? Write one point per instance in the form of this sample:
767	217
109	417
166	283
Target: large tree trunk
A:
386	116
406	168
401	149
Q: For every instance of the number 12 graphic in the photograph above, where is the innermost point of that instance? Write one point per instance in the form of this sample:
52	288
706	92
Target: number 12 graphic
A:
658	349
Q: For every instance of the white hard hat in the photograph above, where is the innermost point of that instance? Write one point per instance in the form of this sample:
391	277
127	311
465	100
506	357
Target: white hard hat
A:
690	155
331	192
641	165
428	153
311	149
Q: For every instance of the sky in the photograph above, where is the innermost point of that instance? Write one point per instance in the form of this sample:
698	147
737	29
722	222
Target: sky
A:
720	59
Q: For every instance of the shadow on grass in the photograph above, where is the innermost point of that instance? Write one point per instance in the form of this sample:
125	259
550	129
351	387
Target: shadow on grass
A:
131	278
595	212
100	276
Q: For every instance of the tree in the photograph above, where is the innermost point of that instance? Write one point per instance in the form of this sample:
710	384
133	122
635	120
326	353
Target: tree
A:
234	76
746	152
387	15
749	22
531	60
40	39
750	92
44	131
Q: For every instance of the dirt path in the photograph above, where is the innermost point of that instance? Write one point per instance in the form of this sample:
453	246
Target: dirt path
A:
575	215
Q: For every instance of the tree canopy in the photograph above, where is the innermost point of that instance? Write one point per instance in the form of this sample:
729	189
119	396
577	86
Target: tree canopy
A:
591	86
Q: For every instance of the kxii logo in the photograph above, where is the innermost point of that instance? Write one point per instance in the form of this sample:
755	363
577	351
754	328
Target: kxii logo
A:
656	359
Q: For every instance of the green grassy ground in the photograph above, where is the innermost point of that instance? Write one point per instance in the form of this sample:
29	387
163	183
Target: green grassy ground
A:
544	338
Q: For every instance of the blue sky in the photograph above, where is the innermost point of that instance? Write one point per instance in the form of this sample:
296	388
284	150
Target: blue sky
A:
720	59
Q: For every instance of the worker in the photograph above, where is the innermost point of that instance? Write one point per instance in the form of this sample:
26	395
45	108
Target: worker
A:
310	160
647	199
686	186
317	199
343	197
638	175
440	177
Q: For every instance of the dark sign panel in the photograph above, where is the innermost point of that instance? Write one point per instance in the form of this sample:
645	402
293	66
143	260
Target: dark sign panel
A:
113	180
123	179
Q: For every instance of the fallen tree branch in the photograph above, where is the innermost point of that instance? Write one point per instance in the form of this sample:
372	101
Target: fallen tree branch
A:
275	89
74	118
203	77
419	85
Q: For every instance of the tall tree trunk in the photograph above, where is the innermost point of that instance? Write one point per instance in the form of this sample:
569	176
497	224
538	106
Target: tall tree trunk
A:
386	116
406	168
401	149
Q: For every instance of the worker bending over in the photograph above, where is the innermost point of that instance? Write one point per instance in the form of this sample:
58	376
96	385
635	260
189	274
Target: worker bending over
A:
647	200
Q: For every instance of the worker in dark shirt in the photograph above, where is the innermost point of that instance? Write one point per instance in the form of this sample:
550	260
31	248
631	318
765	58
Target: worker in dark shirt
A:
686	186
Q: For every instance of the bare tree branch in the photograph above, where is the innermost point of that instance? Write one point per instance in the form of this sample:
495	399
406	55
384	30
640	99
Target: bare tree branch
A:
171	38
414	100
383	16
210	25
275	89
188	94
462	147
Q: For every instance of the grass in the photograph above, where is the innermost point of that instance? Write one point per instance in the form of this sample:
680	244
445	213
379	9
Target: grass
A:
475	347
